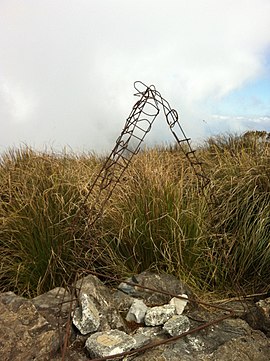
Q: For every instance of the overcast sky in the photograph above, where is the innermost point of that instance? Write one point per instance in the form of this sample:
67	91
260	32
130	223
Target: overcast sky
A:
67	68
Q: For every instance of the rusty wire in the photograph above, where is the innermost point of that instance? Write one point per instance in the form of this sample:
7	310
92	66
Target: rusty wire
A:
138	125
128	144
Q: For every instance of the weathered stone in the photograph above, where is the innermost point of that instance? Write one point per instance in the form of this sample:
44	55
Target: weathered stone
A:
28	329
102	297
229	340
265	306
158	315
137	312
177	325
86	317
24	333
257	316
196	343
179	303
145	335
102	344
246	348
55	306
141	340
122	301
163	282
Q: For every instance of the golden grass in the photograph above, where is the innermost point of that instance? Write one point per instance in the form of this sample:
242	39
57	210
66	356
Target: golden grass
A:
156	218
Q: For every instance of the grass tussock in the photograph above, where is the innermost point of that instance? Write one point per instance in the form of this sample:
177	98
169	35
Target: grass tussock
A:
40	195
156	219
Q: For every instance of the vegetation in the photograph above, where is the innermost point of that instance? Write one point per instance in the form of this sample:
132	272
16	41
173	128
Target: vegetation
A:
156	219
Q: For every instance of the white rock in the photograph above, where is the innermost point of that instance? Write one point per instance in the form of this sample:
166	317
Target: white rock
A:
137	311
179	303
158	315
86	317
177	325
102	344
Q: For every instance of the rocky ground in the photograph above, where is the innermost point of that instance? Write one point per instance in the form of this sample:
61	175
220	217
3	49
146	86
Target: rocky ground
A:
102	322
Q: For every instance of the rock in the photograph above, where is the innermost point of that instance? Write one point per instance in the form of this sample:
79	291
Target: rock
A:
258	317
265	306
137	312
122	301
24	333
246	348
55	306
158	315
179	303
30	328
162	282
102	344
231	339
141	340
86	317
103	299
177	325
145	335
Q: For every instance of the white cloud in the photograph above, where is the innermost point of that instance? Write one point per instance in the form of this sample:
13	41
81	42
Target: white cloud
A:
236	124
18	105
69	66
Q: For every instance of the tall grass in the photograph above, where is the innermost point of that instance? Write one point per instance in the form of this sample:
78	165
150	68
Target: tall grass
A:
40	195
156	219
240	167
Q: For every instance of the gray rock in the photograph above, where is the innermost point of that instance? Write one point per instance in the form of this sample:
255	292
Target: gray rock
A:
86	317
264	307
164	282
137	312
141	340
122	301
103	299
158	315
55	306
177	325
29	330
230	340
258	317
102	344
145	335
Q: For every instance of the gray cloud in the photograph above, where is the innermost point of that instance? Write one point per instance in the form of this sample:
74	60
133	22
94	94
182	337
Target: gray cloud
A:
67	68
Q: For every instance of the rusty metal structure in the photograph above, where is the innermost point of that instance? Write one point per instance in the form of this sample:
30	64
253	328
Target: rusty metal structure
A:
138	125
128	144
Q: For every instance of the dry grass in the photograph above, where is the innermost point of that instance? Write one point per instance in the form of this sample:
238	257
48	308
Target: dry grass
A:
156	218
